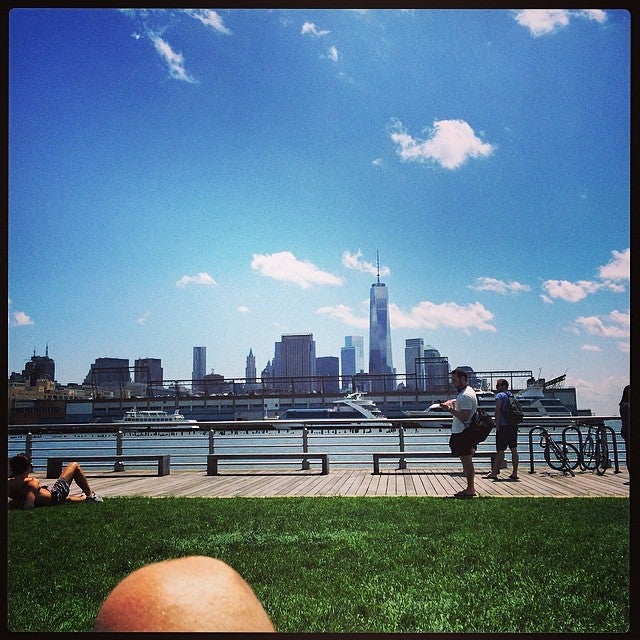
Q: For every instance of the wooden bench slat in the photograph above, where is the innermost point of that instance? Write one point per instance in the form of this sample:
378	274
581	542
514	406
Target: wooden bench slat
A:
213	458
401	455
54	463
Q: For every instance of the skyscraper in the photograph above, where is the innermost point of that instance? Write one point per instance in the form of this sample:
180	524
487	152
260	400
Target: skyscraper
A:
199	368
250	369
436	369
414	368
39	367
109	371
327	370
357	342
298	359
347	366
147	370
380	360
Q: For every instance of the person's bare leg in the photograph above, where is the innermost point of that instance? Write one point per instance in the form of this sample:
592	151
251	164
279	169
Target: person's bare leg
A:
515	459
195	593
469	473
73	471
497	463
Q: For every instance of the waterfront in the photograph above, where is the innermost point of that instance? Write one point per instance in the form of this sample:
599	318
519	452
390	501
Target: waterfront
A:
347	447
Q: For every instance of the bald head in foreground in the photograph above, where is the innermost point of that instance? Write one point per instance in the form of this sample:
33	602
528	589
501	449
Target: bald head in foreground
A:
195	593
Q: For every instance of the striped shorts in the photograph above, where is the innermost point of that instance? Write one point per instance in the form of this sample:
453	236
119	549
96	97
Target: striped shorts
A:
59	491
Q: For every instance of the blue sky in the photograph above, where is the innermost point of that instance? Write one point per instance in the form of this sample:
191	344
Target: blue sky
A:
217	178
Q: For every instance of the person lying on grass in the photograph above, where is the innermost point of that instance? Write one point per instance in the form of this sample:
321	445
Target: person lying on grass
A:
26	492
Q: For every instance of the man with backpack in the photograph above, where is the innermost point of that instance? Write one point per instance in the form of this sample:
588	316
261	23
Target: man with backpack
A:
507	416
462	441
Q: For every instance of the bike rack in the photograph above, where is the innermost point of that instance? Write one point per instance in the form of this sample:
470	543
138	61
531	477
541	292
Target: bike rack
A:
544	433
576	428
531	465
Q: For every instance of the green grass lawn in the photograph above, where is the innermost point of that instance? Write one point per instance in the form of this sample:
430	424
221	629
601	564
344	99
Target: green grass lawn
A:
402	564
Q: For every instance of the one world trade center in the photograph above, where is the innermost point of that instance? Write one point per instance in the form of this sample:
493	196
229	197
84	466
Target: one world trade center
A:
380	361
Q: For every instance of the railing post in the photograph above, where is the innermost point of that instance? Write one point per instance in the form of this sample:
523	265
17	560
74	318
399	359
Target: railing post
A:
28	444
402	463
211	442
305	448
118	465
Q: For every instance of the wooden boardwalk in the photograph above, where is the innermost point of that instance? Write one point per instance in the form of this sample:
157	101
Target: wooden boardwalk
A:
414	481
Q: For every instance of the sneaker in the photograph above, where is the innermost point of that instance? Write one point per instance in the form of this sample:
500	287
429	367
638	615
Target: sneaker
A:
94	498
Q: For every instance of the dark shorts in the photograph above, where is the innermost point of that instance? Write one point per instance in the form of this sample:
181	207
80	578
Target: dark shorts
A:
59	491
506	438
462	444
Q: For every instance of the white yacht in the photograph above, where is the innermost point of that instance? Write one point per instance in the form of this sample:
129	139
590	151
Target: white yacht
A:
156	419
532	400
354	407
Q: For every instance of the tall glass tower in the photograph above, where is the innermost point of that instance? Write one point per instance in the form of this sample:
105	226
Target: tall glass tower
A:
380	361
199	368
357	342
413	363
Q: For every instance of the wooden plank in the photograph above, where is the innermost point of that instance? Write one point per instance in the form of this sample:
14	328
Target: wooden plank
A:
352	481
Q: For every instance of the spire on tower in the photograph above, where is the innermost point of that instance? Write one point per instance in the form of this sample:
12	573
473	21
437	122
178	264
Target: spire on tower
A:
378	264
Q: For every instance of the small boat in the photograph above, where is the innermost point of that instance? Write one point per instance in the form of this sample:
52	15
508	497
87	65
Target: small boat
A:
354	407
156	419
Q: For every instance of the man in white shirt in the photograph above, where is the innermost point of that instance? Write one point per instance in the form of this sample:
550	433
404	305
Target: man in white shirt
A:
462	442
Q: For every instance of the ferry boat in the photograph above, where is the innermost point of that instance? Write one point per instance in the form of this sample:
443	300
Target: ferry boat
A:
354	407
156	419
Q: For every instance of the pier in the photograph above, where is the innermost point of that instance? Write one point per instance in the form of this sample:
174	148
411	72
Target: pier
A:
416	481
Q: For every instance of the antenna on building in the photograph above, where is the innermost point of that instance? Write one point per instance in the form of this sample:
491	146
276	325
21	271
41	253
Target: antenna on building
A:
378	264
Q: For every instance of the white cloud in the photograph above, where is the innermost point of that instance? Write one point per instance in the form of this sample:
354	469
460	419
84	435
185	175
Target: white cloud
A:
427	315
485	283
210	18
143	318
19	319
541	22
332	54
174	60
616	325
619	268
243	309
284	266
592	14
308	28
590	347
377	162
202	278
616	270
352	261
575	291
449	143
345	315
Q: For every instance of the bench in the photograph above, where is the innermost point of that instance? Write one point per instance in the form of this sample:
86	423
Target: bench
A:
402	455
54	464
214	458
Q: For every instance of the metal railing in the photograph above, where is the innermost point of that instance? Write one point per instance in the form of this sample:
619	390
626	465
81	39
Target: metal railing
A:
350	446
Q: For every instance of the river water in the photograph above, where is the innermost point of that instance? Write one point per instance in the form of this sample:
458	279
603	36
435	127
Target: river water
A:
346	447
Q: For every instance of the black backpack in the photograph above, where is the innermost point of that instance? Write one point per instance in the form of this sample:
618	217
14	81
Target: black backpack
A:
481	425
513	411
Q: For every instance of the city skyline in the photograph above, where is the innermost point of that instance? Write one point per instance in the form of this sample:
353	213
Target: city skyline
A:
184	177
